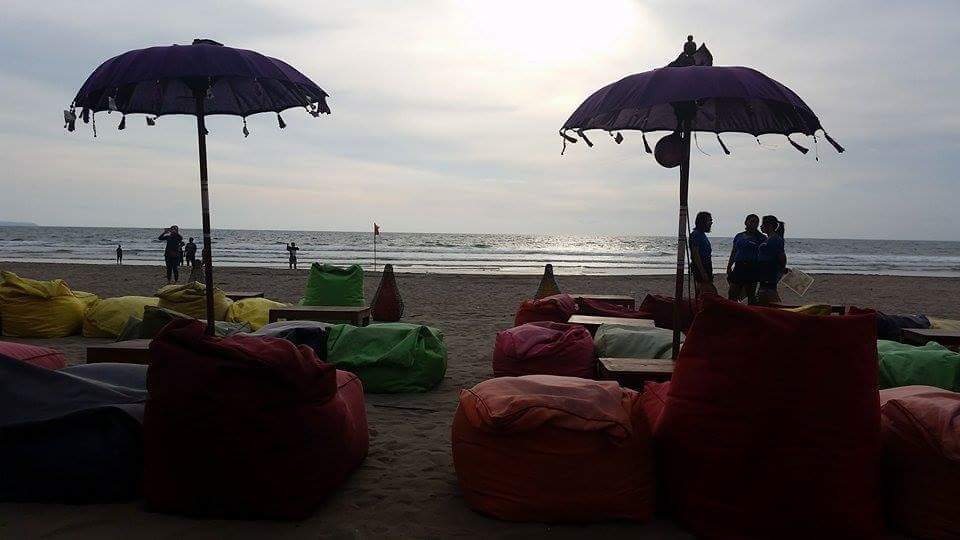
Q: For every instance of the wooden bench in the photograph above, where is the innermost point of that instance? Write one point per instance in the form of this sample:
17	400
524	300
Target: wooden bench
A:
633	372
618	299
592	322
242	295
355	315
920	336
134	351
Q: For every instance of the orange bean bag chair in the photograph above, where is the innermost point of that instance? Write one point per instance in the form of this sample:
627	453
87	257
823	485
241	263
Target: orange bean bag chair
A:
547	448
32	354
921	465
545	348
556	308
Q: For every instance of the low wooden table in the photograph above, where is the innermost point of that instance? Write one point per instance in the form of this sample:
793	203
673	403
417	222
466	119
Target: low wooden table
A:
618	299
134	351
242	295
355	315
920	336
633	372
592	322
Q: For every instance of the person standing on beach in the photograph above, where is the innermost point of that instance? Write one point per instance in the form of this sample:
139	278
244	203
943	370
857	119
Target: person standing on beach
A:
191	252
771	261
742	265
181	260
702	254
292	248
119	254
171	254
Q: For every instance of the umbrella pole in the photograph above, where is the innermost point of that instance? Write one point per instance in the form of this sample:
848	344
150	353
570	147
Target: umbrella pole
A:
207	254
682	233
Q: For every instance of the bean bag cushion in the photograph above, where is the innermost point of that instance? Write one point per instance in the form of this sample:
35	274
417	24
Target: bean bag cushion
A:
660	307
622	341
390	357
246	426
654	399
387	305
547	448
329	285
30	308
921	460
889	327
39	356
544	348
771	427
190	299
155	318
254	312
944	324
106	318
556	308
313	334
930	365
70	436
600	308
811	309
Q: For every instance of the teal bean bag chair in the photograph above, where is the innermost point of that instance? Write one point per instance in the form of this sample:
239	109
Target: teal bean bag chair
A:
624	341
929	365
389	358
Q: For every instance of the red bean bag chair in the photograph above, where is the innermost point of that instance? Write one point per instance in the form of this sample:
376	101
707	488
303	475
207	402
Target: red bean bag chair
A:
771	427
557	308
546	448
921	465
654	399
387	305
590	306
32	354
246	426
545	348
660	308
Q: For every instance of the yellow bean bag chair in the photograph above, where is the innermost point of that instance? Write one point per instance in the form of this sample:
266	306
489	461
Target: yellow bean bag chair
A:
812	309
31	308
944	324
190	299
106	318
252	311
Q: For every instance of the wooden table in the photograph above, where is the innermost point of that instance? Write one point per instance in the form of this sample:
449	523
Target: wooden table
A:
633	372
920	336
355	315
618	299
592	322
134	351
242	295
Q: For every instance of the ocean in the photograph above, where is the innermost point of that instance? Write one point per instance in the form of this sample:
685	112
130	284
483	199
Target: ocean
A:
470	253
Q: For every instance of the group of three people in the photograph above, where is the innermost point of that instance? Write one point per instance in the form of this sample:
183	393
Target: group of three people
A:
757	259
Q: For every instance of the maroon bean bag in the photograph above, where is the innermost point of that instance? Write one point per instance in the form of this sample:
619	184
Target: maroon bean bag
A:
556	308
771	427
590	306
246	426
654	399
32	354
387	305
921	465
545	348
660	308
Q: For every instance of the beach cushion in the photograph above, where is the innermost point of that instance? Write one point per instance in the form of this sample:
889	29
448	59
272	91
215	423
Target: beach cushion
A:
387	305
255	312
313	334
556	308
771	427
190	299
654	399
547	448
329	285
811	309
944	324
930	365
390	357
70	436
39	356
921	460
106	318
600	308
246	426
30	308
544	348
155	318
622	341
660	307
889	327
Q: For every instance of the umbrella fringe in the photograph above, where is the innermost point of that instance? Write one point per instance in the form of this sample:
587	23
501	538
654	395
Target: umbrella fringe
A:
94	124
85	115
322	105
152	121
646	145
835	144
697	141
816	148
123	123
566	139
618	138
280	121
725	149
803	150
246	132
584	137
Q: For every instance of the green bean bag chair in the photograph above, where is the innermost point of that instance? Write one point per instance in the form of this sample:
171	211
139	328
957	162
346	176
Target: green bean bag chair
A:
390	358
929	365
329	285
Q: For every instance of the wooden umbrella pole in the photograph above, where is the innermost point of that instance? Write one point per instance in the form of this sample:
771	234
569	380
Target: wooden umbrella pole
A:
682	232
207	254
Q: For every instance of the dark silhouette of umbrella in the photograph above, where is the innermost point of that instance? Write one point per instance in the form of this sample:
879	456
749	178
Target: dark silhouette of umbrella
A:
200	79
690	95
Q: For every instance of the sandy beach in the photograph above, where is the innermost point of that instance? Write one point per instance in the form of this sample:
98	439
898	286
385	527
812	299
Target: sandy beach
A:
407	486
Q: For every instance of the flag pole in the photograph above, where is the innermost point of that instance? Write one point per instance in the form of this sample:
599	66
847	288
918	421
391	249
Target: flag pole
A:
374	247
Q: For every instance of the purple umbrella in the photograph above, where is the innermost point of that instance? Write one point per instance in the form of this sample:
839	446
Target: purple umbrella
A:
199	79
690	95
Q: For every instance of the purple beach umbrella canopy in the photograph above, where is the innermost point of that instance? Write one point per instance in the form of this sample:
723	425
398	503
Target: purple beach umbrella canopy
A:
200	79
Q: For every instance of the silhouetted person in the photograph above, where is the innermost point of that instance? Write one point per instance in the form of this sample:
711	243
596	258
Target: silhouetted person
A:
742	271
190	250
119	254
702	254
771	260
292	248
180	258
171	254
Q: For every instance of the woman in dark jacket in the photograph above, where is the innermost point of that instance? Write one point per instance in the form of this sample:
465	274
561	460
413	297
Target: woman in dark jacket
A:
171	254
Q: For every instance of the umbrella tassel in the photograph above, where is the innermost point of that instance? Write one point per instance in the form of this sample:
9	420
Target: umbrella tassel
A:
123	123
697	141
111	104
94	125
566	139
816	148
584	137
280	121
646	145
796	145
69	119
322	104
835	144
618	138
246	132
725	149
151	121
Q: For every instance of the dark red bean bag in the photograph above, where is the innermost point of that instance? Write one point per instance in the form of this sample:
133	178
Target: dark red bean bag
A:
246	426
32	354
545	448
921	465
771	427
387	305
590	306
556	308
654	399
660	308
545	348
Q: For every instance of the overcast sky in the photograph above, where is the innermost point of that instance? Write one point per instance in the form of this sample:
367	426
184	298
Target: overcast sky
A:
445	118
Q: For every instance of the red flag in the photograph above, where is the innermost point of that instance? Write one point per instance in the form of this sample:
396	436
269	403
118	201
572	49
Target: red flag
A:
376	229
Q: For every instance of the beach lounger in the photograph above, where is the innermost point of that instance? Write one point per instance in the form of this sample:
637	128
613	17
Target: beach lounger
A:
355	315
619	299
592	322
920	336
134	351
243	295
634	372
